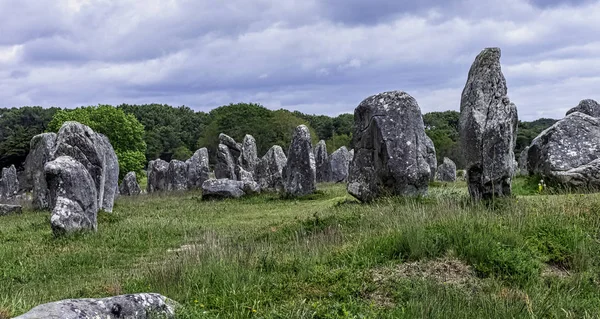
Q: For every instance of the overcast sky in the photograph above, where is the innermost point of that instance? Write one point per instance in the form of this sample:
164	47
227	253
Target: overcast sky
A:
316	56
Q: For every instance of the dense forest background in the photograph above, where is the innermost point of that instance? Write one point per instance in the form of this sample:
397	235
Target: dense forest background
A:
141	133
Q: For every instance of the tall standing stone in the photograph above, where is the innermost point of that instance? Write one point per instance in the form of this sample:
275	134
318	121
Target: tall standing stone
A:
226	163
389	137
299	174
41	152
488	125
198	169
322	162
177	176
158	176
429	153
446	172
248	155
130	186
9	183
522	169
269	171
339	164
73	196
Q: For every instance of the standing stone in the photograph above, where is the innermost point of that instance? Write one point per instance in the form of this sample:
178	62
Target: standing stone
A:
198	169
270	169
249	155
136	306
177	172
226	163
235	148
97	155
429	153
388	138
130	186
9	183
589	107
299	174
322	162
73	196
568	152
158	176
339	164
41	149
522	169
488	125
446	172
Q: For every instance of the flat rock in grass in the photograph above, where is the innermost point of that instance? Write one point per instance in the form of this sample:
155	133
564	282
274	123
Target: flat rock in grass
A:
389	137
9	183
249	155
41	152
428	149
198	169
269	171
73	196
589	107
226	163
6	209
567	153
227	188
323	168
130	186
158	176
299	174
339	164
135	306
488	128
177	172
446	172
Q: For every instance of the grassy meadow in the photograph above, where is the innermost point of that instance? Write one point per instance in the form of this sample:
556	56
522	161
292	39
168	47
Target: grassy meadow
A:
324	256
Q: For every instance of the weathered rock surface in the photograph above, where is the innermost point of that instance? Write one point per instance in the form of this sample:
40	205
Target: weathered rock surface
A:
130	186
446	172
244	175
389	137
137	306
567	152
73	197
177	172
158	176
522	164
6	209
227	188
226	163
248	155
269	171
96	154
41	152
589	107
9	183
429	153
323	167
339	164
488	125
234	147
299	174
198	169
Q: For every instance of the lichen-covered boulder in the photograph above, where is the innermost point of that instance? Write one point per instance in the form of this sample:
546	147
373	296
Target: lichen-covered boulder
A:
589	107
96	154
136	306
389	137
72	195
198	169
339	164
323	168
248	155
227	188
269	171
129	185
177	175
488	128
567	153
226	163
522	163
41	152
446	172
429	153
299	174
9	183
158	176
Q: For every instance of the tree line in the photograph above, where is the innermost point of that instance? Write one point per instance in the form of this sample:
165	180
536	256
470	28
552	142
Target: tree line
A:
140	133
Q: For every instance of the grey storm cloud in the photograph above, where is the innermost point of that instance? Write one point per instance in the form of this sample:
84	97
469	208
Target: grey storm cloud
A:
315	56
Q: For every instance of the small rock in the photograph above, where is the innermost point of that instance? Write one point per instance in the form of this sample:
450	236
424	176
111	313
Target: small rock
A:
223	188
339	164
446	172
130	186
6	209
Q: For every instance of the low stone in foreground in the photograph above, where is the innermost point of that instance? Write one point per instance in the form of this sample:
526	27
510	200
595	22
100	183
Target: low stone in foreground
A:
228	188
6	209
136	306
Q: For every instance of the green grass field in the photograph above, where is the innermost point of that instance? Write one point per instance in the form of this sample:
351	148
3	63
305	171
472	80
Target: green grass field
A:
324	256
